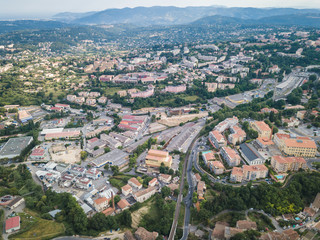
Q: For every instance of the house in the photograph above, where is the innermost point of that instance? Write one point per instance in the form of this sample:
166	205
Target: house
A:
153	182
123	204
165	178
246	225
126	190
197	177
216	167
133	182
218	231
12	224
143	234
201	188
155	158
230	156
100	204
144	194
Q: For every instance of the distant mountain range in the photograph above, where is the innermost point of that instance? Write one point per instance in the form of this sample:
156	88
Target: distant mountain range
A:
146	16
307	19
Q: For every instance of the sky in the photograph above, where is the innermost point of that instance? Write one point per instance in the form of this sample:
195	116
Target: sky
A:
12	9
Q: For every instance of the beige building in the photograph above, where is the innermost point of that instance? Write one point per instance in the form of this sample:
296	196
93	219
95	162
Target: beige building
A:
133	182
248	173
156	157
100	204
296	146
144	194
126	190
284	164
262	128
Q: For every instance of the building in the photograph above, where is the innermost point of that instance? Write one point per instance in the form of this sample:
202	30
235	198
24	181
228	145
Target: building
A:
248	173
284	164
155	158
165	178
263	129
246	225
216	167
12	224
15	202
63	135
101	204
144	194
93	173
250	154
153	182
296	146
14	146
84	183
24	116
175	89
207	156
316	203
226	124
216	139
123	204
133	123
116	157
143	234
37	153
254	172
236	174
237	135
133	182
126	190
230	156
201	188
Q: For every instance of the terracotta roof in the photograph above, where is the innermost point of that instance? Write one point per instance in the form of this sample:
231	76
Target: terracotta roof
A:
143	234
300	143
153	181
108	211
123	203
262	126
135	181
217	135
100	200
244	224
126	187
237	171
12	222
144	191
253	168
316	202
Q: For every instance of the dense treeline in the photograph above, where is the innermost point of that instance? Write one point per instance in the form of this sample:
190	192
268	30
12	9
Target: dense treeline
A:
273	199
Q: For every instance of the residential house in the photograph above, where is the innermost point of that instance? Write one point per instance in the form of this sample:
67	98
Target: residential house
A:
126	190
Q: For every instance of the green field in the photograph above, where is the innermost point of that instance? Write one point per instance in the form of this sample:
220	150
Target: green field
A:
35	228
112	91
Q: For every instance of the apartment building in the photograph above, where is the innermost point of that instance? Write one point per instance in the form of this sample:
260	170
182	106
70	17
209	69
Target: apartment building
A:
236	174
144	194
262	128
237	135
248	173
217	139
154	158
284	164
296	146
231	156
216	167
133	182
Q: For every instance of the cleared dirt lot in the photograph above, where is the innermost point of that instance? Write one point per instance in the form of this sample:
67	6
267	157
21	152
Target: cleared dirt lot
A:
137	215
67	156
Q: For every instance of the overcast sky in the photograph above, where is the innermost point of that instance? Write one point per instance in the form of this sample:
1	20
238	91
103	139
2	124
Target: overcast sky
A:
44	8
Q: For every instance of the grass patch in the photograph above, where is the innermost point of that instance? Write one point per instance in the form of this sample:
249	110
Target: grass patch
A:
190	98
262	221
111	91
119	181
35	228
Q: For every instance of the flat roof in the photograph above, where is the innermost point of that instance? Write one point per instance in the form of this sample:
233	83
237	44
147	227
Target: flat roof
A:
116	157
14	147
249	152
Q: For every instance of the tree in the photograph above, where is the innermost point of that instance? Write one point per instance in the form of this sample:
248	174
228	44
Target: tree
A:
165	191
107	149
107	167
83	155
125	218
115	170
96	148
116	199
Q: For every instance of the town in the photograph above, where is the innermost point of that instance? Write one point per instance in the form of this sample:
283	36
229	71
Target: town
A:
214	140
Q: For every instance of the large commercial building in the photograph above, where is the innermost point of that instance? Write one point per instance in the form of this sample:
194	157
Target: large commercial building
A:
296	146
154	158
14	146
262	128
116	157
24	116
250	154
284	164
